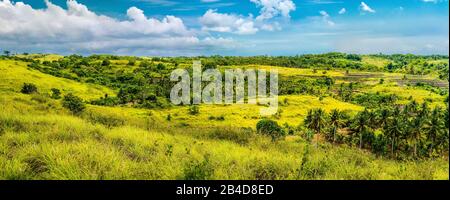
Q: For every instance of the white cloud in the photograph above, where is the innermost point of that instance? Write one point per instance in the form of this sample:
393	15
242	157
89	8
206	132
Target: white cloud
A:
271	27
218	22
364	7
326	18
238	24
274	8
81	30
342	11
77	22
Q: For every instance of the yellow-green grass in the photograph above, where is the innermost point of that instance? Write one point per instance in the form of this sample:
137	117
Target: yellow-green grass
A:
289	71
42	57
420	95
15	73
361	76
440	61
291	111
61	146
380	63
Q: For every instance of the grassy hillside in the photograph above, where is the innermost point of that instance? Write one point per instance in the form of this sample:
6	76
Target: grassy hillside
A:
35	144
292	110
15	73
41	139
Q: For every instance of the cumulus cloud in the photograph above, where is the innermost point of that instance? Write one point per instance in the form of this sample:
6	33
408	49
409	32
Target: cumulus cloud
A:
326	18
81	30
214	21
231	23
274	8
78	22
364	7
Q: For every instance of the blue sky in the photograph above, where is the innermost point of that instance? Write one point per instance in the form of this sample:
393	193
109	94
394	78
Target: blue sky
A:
225	27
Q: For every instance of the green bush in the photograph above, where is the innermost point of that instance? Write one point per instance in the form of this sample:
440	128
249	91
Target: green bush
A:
56	93
270	128
29	88
106	101
73	103
106	63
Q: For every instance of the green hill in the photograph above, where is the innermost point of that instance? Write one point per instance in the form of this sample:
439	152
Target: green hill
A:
40	139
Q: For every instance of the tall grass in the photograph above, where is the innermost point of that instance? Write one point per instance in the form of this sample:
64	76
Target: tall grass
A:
62	146
41	140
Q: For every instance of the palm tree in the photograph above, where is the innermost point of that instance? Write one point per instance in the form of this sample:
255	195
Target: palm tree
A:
435	127
308	119
415	132
397	112
316	120
424	110
361	124
336	121
393	129
372	119
383	116
413	106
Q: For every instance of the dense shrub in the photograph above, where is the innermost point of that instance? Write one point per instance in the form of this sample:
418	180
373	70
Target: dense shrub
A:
73	103
106	101
372	100
380	145
106	63
270	128
29	88
56	93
